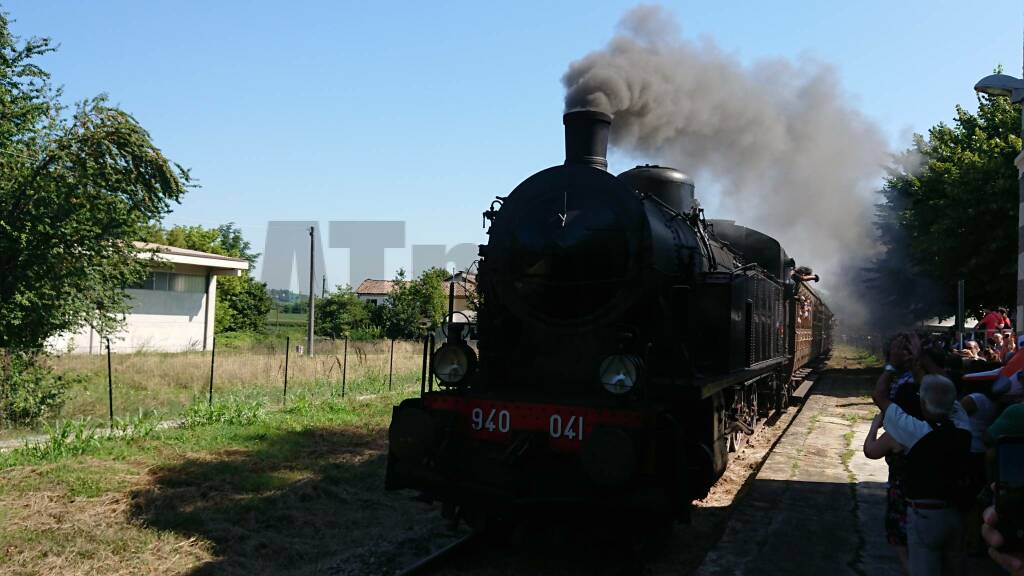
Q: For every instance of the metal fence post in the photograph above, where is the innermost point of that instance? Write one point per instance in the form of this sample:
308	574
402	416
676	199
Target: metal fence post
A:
287	353
391	364
423	369
344	368
430	366
213	362
110	384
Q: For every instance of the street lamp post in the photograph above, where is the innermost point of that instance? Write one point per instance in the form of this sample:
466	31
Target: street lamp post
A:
1012	88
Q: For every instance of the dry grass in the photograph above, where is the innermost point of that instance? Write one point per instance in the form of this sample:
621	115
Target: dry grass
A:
166	383
298	491
55	529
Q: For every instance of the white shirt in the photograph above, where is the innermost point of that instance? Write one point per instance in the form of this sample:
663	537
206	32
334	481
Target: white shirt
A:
907	430
981	419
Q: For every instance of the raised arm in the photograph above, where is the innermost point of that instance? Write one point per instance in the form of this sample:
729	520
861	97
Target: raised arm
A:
881	393
880	447
899	357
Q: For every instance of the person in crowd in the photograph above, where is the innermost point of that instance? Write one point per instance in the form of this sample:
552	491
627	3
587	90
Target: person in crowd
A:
981	411
1010	422
908	364
990	322
1004	312
971	350
1009	345
884	446
937	448
904	391
988	354
1012	562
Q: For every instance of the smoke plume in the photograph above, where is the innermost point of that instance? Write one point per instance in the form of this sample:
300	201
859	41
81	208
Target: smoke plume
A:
778	138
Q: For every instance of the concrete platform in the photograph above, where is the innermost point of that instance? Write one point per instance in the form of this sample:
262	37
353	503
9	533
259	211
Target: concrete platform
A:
817	505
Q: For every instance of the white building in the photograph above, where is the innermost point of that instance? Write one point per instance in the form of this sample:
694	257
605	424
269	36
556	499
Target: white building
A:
172	311
374	291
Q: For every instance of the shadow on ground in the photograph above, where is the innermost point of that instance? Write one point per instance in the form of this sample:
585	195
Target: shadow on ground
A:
305	502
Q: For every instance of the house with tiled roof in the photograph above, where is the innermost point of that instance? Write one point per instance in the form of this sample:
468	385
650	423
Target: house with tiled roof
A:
376	292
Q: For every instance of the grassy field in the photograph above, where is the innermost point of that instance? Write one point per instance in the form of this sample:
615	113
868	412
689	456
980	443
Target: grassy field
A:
163	385
286	318
238	489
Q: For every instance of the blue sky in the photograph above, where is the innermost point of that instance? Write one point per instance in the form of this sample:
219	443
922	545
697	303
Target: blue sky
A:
424	112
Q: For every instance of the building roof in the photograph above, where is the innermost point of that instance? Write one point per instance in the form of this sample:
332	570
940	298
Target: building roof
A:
375	287
176	255
371	287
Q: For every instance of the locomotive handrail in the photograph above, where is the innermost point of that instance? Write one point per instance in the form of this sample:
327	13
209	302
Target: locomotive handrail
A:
745	268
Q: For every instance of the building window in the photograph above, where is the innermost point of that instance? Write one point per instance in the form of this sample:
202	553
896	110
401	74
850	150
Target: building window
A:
173	282
186	283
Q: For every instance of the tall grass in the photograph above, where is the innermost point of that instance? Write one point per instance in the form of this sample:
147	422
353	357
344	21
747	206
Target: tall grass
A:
166	384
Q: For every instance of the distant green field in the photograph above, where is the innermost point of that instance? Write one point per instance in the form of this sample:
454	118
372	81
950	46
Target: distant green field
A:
285	319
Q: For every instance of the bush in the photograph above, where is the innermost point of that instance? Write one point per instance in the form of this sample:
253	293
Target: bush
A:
29	389
367	333
341	314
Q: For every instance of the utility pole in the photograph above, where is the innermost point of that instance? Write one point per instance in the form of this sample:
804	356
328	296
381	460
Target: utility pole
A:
312	295
323	288
960	290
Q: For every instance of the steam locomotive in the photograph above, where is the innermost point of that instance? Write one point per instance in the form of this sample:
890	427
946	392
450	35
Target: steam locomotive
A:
626	346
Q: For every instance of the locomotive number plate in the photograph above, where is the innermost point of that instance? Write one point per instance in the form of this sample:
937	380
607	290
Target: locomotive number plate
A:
564	426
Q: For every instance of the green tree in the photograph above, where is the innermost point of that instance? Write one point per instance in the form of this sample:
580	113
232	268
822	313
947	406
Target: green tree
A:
242	302
952	216
76	187
341	314
247	301
432	292
414	306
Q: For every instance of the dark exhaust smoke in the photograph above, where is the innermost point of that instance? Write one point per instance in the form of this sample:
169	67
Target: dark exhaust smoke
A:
777	138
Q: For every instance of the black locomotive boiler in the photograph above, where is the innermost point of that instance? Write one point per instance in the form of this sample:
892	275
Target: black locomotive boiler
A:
625	346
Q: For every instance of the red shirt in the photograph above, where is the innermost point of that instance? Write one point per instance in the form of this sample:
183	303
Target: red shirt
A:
991	321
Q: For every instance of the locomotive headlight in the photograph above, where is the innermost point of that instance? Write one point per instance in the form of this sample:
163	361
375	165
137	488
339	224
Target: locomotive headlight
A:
619	373
453	362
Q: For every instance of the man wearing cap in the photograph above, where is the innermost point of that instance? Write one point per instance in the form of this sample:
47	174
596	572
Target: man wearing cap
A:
937	446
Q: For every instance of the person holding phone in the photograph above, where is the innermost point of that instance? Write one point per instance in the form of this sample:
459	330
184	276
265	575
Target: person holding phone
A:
1003	527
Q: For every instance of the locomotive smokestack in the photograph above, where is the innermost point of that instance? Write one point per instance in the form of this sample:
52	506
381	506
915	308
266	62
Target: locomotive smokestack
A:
586	137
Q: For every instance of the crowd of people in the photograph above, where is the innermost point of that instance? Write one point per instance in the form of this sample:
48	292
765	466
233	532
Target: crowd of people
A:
992	339
943	408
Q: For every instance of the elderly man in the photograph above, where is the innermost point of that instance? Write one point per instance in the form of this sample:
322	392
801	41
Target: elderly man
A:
971	350
937	448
